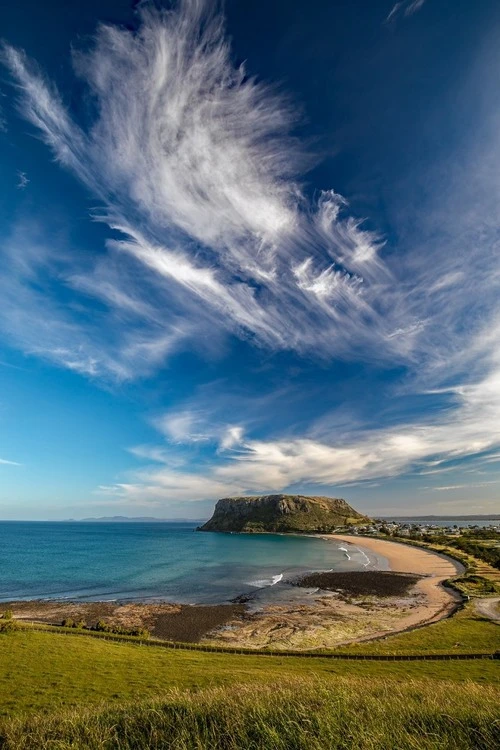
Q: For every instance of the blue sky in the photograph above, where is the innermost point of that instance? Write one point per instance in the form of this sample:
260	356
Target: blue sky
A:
249	248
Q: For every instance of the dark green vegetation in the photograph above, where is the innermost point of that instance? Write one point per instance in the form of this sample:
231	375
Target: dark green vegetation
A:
304	714
474	585
366	583
104	627
7	622
282	513
483	544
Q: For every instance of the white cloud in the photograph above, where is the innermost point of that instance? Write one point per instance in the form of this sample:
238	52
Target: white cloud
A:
404	8
453	487
125	340
183	427
22	181
471	427
232	437
4	462
3	119
194	165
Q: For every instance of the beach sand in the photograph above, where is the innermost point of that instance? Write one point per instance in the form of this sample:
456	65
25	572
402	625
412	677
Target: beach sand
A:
436	601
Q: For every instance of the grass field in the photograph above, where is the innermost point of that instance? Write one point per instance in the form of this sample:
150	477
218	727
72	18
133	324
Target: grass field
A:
46	671
301	714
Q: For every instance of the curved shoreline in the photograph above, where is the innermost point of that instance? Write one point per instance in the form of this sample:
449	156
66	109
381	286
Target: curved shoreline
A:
326	620
434	567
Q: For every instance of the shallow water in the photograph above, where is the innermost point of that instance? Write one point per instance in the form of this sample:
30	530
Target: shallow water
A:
158	561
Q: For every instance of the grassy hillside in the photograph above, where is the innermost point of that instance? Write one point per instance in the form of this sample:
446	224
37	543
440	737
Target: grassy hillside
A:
41	671
304	714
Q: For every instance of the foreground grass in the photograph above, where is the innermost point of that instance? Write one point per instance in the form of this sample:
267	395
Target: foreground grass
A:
465	632
304	714
46	671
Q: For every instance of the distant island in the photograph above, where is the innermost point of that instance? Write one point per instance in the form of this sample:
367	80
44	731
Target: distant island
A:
282	513
132	519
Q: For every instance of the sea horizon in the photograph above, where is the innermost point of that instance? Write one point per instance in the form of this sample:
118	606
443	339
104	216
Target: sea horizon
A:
153	519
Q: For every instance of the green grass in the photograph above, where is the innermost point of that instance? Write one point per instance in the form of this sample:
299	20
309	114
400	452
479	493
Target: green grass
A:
475	585
465	632
46	671
303	714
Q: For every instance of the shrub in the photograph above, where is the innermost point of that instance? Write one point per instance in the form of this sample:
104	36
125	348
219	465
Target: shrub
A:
102	626
7	625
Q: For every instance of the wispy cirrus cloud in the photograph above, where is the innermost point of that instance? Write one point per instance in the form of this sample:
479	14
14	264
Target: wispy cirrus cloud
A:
5	462
404	8
22	180
95	343
196	170
453	487
195	167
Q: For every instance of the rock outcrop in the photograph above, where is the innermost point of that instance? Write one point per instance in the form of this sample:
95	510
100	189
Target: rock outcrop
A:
282	513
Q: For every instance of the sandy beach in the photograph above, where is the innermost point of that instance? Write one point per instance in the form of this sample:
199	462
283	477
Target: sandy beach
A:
436	601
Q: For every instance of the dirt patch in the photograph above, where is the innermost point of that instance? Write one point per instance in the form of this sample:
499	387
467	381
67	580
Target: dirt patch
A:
367	583
191	623
175	622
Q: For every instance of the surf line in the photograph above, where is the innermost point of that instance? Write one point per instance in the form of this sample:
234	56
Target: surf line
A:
265	583
368	561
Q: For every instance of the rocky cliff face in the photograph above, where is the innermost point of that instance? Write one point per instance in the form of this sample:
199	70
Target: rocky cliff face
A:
282	513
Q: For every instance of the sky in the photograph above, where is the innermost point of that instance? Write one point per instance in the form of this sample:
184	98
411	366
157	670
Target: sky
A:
248	248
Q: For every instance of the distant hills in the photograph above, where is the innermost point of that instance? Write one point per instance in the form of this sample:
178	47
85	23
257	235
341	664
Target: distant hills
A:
282	513
137	519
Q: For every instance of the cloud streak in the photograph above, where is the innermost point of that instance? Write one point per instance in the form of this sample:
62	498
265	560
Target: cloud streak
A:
404	8
471	427
196	168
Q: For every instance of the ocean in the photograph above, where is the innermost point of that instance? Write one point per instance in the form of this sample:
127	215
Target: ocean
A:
159	562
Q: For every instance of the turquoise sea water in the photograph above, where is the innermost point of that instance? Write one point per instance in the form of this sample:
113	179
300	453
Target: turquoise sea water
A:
157	561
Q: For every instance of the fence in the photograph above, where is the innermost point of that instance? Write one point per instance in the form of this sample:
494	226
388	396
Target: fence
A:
260	652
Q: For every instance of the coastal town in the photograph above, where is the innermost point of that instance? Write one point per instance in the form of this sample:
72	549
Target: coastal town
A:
419	530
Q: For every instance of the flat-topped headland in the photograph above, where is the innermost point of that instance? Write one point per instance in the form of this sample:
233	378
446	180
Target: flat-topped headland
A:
293	514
